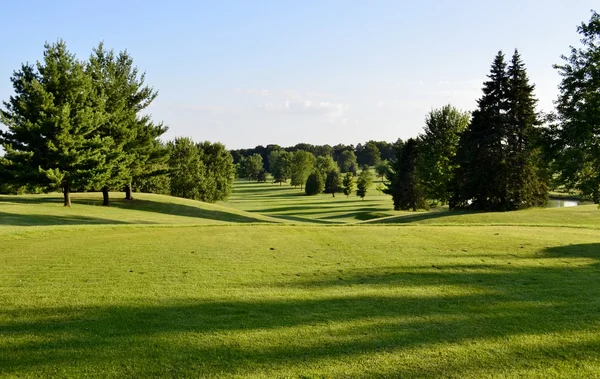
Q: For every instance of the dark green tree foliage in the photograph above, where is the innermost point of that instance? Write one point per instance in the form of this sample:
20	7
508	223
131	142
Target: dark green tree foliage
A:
481	174
576	145
333	183
314	183
53	121
404	182
348	184
368	154
347	161
364	181
499	166
526	180
438	147
303	163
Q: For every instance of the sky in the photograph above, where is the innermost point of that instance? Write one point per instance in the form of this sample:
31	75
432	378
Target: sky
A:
252	72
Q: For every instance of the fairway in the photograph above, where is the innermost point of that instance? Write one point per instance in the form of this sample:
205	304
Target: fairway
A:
135	297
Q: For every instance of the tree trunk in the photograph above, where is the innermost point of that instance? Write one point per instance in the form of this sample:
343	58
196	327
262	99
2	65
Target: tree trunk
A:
333	194
105	198
67	196
128	195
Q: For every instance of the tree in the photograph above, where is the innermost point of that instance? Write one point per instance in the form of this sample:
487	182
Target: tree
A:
202	171
480	176
314	183
250	167
347	161
438	147
404	182
303	163
365	179
348	184
576	146
325	164
280	162
53	120
333	183
526	178
219	174
186	169
370	155
382	168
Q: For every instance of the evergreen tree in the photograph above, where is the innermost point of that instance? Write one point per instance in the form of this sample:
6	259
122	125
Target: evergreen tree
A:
438	147
576	146
481	174
314	183
404	181
333	183
348	184
53	121
364	181
526	183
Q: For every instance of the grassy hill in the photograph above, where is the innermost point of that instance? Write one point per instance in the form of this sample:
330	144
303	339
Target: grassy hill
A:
165	287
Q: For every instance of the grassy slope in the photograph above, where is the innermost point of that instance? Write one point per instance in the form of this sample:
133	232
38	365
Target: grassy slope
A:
33	210
291	204
300	301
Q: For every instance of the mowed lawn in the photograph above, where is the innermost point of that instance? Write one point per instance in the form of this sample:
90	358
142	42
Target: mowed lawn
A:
299	301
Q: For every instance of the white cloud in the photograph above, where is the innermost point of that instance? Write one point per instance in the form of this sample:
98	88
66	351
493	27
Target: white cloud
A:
333	111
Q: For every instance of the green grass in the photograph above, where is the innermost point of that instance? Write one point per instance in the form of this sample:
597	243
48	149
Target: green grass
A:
164	287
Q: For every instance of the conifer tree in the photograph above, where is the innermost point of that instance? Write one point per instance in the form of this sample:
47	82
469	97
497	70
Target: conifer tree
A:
348	184
53	120
404	181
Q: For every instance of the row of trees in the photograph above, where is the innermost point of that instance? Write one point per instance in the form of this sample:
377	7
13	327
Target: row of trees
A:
80	126
349	157
505	155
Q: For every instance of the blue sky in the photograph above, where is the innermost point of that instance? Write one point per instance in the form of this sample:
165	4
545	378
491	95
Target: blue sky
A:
258	72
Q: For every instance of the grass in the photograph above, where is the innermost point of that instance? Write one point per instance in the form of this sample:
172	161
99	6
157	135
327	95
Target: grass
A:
164	287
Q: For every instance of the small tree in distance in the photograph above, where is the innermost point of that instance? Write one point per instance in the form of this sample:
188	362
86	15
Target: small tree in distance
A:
314	184
348	184
333	183
365	179
382	169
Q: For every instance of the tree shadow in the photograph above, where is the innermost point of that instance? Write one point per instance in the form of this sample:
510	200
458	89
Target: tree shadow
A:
419	216
29	219
243	337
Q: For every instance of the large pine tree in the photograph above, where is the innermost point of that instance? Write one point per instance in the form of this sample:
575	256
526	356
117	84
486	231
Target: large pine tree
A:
53	120
526	183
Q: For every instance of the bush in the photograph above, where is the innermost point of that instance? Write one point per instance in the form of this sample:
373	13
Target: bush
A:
314	184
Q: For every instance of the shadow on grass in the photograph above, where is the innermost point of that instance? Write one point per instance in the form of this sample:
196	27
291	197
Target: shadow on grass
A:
207	337
15	219
166	208
420	216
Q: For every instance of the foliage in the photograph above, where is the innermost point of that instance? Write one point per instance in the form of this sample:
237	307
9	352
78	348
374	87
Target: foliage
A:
251	167
347	161
53	120
439	144
333	182
314	183
348	184
303	163
364	181
368	154
404	182
576	146
203	171
280	162
497	164
325	164
382	168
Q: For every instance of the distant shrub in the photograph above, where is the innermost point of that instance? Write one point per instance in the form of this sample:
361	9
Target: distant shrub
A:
314	184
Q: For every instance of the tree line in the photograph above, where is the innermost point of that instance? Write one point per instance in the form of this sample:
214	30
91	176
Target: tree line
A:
81	126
